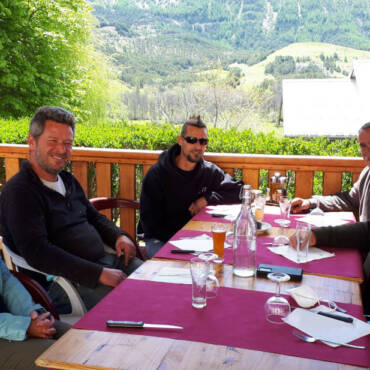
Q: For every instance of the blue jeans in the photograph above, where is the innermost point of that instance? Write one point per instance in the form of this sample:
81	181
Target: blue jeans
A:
153	246
91	296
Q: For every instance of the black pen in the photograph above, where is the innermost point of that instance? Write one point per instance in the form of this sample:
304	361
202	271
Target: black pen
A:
336	317
182	251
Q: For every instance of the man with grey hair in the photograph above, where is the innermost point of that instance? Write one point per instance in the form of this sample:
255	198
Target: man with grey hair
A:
180	184
47	219
357	199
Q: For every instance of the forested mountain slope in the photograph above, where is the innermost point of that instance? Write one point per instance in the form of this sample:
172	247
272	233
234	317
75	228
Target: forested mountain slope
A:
168	40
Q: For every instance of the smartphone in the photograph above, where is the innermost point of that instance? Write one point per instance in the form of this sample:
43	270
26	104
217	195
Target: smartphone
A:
295	273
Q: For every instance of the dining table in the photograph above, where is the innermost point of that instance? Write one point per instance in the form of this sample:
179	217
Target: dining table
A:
230	332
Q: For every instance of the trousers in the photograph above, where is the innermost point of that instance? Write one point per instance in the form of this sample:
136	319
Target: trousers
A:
91	296
21	355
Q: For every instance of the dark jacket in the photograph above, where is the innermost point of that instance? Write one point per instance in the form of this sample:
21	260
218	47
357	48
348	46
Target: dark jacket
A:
349	236
59	235
168	192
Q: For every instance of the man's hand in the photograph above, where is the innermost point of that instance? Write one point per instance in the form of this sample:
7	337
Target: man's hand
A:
196	206
41	326
293	240
111	277
123	243
299	204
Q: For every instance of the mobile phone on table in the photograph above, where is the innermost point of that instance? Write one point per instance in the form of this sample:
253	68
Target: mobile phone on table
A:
295	273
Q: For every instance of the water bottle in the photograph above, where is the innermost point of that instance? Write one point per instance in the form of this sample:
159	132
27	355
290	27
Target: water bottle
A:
245	231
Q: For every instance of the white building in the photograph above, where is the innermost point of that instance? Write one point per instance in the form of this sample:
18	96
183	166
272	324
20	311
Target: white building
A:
328	107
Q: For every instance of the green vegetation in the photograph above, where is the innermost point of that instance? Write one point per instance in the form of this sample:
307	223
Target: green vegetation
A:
47	58
123	135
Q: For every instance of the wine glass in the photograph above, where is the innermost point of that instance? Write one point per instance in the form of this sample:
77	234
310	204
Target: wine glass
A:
284	203
277	307
212	282
317	211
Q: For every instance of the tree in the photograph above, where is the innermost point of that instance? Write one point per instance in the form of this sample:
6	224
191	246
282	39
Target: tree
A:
42	47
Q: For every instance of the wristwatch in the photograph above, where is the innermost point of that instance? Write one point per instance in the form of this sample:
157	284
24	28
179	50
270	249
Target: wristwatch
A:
41	310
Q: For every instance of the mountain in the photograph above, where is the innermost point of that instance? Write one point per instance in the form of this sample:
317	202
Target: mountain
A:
166	41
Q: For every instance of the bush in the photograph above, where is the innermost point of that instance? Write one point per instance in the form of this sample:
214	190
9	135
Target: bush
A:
150	136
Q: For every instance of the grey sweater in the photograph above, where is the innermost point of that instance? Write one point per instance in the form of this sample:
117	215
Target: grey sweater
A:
357	199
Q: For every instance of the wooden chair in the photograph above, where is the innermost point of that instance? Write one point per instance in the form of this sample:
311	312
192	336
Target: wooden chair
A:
38	293
103	203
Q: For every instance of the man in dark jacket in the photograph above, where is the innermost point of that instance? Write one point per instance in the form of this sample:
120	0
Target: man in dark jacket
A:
180	184
47	219
346	236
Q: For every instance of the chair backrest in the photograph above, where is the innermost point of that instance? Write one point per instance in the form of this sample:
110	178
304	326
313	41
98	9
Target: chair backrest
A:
77	304
109	203
104	203
7	259
38	293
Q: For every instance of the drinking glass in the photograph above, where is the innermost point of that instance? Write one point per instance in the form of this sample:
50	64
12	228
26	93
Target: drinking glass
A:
277	307
317	211
284	203
218	236
303	235
259	206
212	284
199	270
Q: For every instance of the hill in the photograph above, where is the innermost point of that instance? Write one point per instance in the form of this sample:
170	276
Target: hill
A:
165	42
310	51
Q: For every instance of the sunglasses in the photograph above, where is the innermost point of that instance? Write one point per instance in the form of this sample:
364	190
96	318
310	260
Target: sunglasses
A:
193	140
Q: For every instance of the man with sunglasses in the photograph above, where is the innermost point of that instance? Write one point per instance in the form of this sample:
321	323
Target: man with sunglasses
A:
180	184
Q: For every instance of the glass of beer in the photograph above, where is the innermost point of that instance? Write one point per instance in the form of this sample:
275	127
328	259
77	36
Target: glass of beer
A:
218	236
259	206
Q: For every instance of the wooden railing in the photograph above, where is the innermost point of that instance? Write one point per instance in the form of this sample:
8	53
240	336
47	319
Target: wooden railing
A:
135	163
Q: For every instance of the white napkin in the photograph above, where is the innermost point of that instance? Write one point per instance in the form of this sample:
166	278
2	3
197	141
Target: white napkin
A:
176	275
201	243
231	210
329	219
323	327
291	254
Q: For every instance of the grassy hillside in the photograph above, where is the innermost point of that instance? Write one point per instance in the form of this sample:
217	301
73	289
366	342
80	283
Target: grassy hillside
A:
255	74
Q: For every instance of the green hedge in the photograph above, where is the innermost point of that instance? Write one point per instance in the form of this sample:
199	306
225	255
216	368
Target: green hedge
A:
155	137
158	137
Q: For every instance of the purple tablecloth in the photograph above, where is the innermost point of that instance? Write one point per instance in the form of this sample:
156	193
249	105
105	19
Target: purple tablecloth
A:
347	263
271	214
234	318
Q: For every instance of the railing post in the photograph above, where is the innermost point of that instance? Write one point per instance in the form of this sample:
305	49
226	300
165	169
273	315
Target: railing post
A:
104	183
304	184
332	182
80	172
11	167
127	190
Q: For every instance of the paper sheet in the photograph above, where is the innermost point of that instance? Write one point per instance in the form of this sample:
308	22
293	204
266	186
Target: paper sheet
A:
323	327
327	220
176	275
291	254
231	211
201	243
